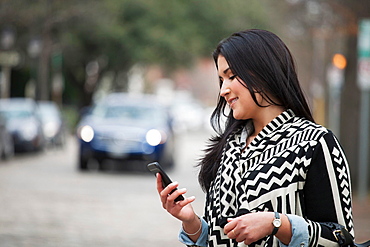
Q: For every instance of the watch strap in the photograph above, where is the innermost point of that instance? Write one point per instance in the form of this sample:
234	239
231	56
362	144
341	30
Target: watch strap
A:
277	216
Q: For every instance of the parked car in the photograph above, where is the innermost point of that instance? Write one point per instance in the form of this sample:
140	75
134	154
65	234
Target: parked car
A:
6	140
23	123
53	124
124	127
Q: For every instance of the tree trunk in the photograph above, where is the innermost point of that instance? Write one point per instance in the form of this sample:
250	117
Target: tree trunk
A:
350	110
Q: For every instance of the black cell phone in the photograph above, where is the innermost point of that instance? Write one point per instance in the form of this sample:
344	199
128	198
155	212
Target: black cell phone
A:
155	168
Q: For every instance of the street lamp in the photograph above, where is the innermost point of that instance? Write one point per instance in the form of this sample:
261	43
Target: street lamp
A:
335	77
7	38
339	61
8	59
363	81
33	50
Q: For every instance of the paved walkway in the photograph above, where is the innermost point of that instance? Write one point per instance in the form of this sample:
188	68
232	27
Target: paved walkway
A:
361	214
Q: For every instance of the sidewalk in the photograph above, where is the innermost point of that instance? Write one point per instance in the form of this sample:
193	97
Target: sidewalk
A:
361	215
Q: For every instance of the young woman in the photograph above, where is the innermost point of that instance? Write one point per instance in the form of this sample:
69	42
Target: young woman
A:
272	176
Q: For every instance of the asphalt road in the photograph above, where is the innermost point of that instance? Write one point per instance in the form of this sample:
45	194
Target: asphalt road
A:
45	201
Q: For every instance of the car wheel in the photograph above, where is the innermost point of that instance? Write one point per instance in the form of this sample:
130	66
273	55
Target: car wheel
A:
2	155
8	153
101	165
82	163
61	140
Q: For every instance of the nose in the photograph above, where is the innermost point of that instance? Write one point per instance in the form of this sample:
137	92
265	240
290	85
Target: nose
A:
225	90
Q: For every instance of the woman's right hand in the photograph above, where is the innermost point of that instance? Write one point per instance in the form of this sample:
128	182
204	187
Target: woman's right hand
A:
181	210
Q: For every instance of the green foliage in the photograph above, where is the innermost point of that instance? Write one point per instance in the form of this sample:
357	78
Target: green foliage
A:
169	33
173	33
121	33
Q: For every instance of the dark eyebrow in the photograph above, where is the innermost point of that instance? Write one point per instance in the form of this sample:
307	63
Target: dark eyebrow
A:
225	71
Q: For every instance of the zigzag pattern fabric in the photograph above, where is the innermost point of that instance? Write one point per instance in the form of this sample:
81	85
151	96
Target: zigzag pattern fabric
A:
293	166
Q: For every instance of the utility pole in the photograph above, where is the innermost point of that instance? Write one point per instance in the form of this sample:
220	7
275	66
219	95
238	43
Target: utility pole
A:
8	59
335	74
364	84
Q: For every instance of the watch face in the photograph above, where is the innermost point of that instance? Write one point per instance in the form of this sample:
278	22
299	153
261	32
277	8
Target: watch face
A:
277	222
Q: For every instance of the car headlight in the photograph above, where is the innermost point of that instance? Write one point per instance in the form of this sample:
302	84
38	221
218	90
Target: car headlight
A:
86	133
155	137
29	131
50	129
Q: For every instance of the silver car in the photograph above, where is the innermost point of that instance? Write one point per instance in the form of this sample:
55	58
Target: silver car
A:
23	123
53	124
6	140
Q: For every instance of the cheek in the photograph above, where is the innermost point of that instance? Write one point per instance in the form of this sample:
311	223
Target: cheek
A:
260	99
246	96
245	107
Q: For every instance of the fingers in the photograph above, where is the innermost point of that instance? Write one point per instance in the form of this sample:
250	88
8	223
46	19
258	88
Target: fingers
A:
237	235
171	189
230	226
159	183
185	202
182	209
164	191
170	193
229	229
233	231
248	228
232	234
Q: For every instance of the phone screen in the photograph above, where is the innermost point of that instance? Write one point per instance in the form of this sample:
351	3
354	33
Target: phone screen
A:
155	168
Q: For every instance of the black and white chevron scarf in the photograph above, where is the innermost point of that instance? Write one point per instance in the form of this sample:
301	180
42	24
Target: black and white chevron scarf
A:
293	166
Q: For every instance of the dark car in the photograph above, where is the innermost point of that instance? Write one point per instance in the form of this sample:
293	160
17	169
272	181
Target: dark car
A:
6	140
23	123
123	127
53	124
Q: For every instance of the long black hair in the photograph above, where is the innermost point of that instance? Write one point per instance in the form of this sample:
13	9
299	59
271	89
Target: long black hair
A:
264	65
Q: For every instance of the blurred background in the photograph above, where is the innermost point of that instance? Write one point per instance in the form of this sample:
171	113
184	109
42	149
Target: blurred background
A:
72	169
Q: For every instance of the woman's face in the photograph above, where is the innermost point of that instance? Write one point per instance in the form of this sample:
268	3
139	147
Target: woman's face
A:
236	95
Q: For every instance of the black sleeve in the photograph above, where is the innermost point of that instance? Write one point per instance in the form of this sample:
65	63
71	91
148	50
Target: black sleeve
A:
327	192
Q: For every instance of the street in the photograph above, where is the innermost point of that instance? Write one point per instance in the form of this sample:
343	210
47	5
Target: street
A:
45	201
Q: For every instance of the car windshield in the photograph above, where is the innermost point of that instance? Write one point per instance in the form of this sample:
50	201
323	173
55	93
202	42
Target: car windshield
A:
48	112
16	114
130	113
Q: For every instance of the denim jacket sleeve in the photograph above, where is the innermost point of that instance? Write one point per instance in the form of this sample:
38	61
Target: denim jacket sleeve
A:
202	240
300	236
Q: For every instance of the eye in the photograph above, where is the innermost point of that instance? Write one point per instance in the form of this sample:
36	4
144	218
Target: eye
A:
232	77
221	81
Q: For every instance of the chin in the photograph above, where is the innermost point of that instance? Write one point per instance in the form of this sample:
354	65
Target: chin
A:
237	117
240	116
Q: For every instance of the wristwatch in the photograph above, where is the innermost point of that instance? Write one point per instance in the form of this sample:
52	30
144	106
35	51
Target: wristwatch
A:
277	223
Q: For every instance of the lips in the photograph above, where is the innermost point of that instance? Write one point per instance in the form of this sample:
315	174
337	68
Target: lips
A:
232	101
